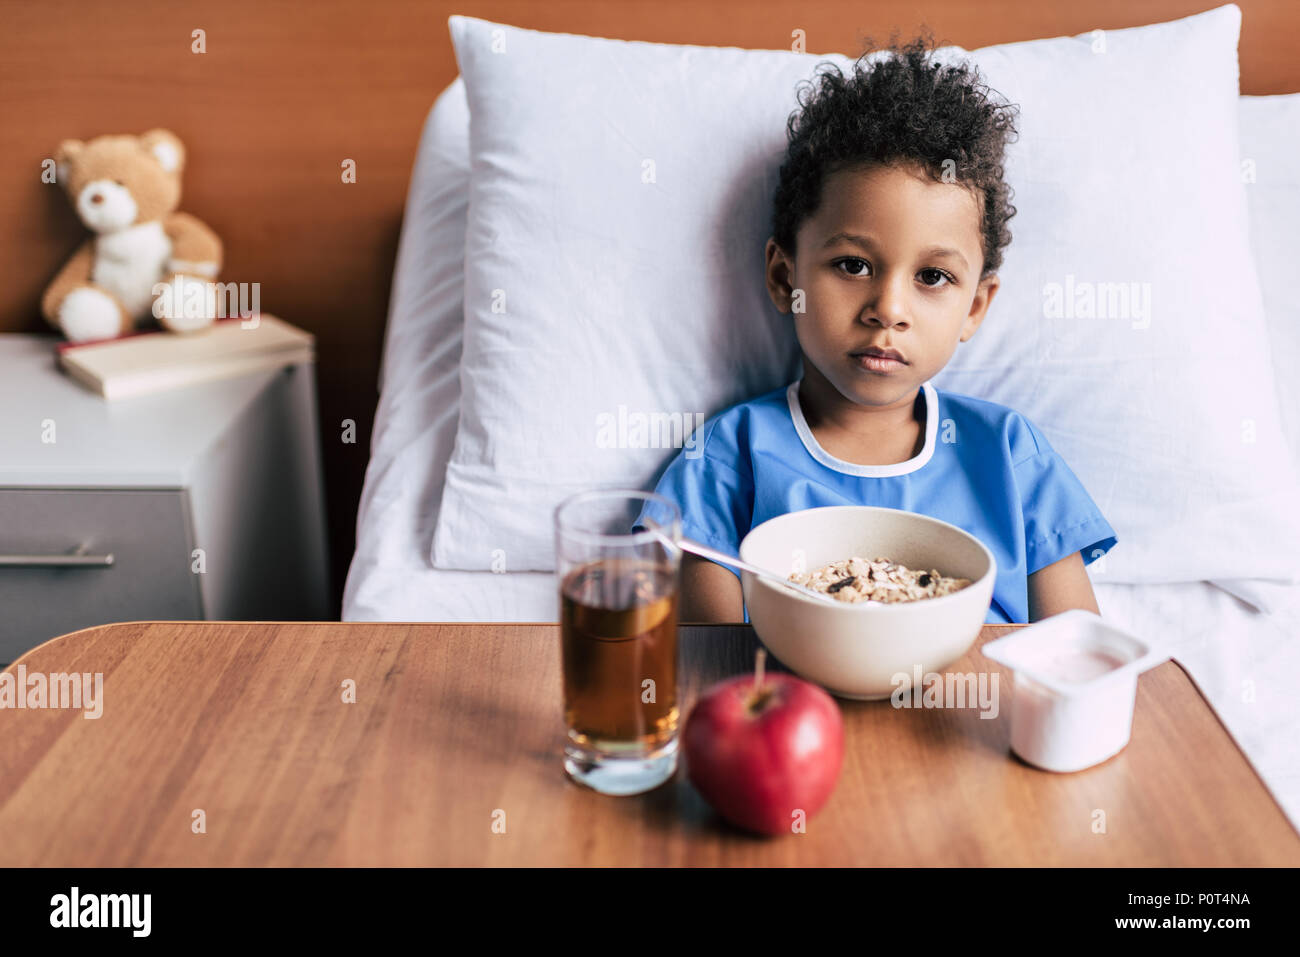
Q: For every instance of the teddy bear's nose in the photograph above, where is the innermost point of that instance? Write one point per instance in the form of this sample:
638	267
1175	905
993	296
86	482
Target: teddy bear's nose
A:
96	198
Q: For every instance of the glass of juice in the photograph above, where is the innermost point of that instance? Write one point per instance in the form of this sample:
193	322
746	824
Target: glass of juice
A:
618	637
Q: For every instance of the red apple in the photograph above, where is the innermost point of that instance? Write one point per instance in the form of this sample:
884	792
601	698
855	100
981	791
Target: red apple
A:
759	748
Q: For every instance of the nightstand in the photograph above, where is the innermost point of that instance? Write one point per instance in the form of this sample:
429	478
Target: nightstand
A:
204	502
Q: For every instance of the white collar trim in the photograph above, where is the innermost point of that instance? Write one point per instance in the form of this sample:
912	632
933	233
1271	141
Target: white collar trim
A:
852	468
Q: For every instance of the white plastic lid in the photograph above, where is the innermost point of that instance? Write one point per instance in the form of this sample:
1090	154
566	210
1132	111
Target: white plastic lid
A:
1074	652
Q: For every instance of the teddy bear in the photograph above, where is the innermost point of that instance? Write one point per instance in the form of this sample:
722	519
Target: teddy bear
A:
126	190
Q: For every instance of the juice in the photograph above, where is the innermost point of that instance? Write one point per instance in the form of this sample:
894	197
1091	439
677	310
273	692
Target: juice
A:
618	628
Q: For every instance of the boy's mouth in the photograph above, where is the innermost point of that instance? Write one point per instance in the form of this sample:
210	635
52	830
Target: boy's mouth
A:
876	359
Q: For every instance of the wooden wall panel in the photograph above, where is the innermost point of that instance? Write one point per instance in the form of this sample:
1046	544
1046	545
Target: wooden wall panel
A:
287	91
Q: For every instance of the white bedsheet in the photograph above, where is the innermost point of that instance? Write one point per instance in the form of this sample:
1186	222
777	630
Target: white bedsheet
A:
1244	662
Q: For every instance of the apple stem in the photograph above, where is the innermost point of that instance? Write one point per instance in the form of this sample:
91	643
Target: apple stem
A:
759	660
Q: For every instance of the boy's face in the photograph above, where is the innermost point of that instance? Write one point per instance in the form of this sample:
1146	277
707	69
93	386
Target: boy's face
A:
891	259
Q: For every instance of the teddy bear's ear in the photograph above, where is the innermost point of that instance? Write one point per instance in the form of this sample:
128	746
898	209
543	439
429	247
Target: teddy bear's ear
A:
166	149
65	154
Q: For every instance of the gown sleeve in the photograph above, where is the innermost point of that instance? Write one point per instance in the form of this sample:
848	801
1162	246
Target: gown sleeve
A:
1060	516
716	497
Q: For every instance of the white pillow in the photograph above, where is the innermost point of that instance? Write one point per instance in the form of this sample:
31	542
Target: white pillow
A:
419	378
1270	145
1270	157
426	303
415	424
620	198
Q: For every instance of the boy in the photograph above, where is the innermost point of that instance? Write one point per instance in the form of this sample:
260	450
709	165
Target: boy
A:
889	223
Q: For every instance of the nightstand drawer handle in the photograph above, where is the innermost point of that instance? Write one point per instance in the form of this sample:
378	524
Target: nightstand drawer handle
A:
72	560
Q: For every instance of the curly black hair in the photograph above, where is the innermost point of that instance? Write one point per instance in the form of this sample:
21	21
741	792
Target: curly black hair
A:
902	109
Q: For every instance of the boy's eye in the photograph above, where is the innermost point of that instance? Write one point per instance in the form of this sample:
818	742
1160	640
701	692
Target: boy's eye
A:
930	276
934	277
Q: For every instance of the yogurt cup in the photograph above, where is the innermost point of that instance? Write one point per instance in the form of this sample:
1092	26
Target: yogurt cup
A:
1075	687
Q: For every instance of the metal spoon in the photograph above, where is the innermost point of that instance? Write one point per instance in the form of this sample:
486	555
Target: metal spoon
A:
703	551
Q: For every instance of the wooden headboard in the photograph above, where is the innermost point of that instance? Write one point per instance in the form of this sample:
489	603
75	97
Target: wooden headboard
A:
285	92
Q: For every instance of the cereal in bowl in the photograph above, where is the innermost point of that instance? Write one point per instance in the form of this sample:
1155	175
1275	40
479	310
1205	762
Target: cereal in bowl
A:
860	579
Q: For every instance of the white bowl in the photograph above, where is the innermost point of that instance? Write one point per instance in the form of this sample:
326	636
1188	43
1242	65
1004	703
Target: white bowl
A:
865	651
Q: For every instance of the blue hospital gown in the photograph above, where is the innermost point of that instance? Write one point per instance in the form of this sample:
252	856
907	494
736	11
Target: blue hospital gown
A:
984	468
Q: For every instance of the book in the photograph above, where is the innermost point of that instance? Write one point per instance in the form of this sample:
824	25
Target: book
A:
157	360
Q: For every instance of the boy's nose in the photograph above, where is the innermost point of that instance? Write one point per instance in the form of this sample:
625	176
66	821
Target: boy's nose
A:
883	314
886	307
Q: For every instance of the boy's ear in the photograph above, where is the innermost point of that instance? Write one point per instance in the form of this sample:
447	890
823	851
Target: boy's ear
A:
779	273
979	307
